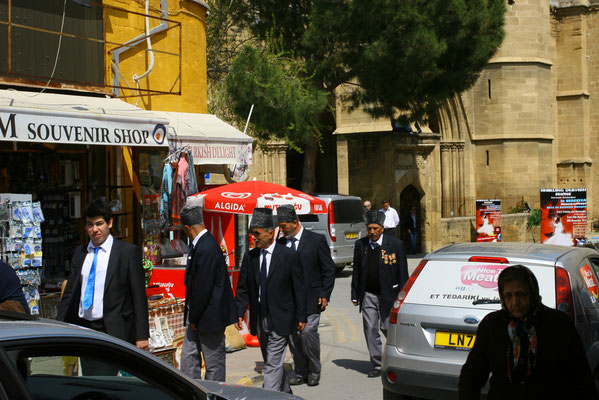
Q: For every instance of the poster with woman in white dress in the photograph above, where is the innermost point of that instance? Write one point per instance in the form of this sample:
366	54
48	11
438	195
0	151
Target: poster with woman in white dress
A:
488	220
563	216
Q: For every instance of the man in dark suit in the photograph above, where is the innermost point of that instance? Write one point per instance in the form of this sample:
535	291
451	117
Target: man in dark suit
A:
271	282
319	275
106	287
209	303
380	271
411	226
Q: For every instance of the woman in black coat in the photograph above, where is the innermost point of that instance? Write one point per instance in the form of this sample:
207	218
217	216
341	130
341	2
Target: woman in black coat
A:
532	351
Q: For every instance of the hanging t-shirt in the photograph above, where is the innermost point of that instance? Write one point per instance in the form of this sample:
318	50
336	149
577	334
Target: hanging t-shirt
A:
180	191
165	197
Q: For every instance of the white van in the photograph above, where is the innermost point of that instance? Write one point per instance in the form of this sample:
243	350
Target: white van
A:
342	225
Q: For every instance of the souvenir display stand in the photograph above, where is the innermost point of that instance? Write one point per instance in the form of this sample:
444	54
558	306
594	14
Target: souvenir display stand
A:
21	242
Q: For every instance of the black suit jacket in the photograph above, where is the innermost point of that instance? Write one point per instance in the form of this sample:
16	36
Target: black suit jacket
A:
285	289
392	276
319	268
209	299
408	223
125	302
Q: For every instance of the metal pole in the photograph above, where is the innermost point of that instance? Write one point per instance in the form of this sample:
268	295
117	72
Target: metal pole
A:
248	120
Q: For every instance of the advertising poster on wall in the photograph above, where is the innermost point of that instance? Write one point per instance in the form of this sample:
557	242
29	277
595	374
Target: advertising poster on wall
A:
488	220
563	216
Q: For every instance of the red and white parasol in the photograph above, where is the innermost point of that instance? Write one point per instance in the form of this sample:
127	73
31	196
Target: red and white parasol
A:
243	197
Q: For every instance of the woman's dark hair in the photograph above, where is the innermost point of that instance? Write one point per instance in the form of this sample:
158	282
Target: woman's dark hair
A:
98	208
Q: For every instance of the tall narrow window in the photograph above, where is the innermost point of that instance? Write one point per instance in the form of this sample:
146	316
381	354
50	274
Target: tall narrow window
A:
489	82
487	157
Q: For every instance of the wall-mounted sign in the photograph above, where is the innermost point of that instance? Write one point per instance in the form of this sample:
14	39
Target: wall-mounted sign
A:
563	216
67	129
488	220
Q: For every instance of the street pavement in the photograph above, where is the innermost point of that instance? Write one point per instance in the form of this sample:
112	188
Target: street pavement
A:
344	356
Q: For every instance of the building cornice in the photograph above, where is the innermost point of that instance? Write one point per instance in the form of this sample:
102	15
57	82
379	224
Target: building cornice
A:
515	137
572	93
521	60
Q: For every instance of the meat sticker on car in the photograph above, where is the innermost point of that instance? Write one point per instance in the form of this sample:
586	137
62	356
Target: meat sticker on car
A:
484	276
590	280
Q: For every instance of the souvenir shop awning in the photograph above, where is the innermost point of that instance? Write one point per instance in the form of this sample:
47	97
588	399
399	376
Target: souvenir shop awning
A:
70	119
211	140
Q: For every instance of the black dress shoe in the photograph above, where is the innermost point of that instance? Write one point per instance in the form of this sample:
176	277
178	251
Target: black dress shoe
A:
374	373
313	379
297	380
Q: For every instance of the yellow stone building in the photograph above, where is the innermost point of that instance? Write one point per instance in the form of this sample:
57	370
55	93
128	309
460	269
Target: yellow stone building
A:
529	122
177	81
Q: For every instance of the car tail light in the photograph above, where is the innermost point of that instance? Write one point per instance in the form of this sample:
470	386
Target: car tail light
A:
404	292
497	260
331	218
563	292
391	376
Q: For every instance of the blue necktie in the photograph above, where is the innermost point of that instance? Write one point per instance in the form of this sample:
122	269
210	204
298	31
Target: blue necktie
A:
293	243
88	297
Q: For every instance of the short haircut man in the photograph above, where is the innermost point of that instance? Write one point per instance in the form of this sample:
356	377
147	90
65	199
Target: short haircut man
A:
106	288
391	218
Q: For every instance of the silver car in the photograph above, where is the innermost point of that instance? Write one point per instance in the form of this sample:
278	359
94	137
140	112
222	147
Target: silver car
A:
433	323
342	225
42	359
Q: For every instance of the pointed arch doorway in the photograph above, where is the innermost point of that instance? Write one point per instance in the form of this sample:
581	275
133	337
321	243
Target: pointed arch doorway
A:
410	197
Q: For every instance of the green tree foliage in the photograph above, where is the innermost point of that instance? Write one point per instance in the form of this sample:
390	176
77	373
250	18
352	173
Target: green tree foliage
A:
408	55
405	58
286	103
224	41
426	50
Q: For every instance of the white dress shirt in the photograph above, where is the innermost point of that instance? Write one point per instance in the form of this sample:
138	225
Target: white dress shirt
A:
297	239
379	242
268	256
195	240
391	218
96	311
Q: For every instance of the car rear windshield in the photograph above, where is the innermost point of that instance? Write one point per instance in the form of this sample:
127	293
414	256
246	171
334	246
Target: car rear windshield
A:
308	218
348	211
459	283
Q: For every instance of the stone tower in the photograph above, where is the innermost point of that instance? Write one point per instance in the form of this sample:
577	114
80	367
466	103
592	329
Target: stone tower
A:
511	111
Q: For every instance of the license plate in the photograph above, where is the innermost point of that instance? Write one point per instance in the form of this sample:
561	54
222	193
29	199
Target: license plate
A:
351	235
454	340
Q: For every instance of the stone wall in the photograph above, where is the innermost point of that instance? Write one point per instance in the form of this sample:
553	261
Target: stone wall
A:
463	229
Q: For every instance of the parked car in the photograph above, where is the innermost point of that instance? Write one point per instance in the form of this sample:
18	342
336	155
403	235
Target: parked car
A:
40	359
342	225
433	322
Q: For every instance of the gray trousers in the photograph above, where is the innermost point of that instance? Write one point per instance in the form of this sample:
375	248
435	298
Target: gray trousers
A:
212	346
273	349
305	347
373	319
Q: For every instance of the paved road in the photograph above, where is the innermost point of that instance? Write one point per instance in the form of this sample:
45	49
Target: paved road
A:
344	355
